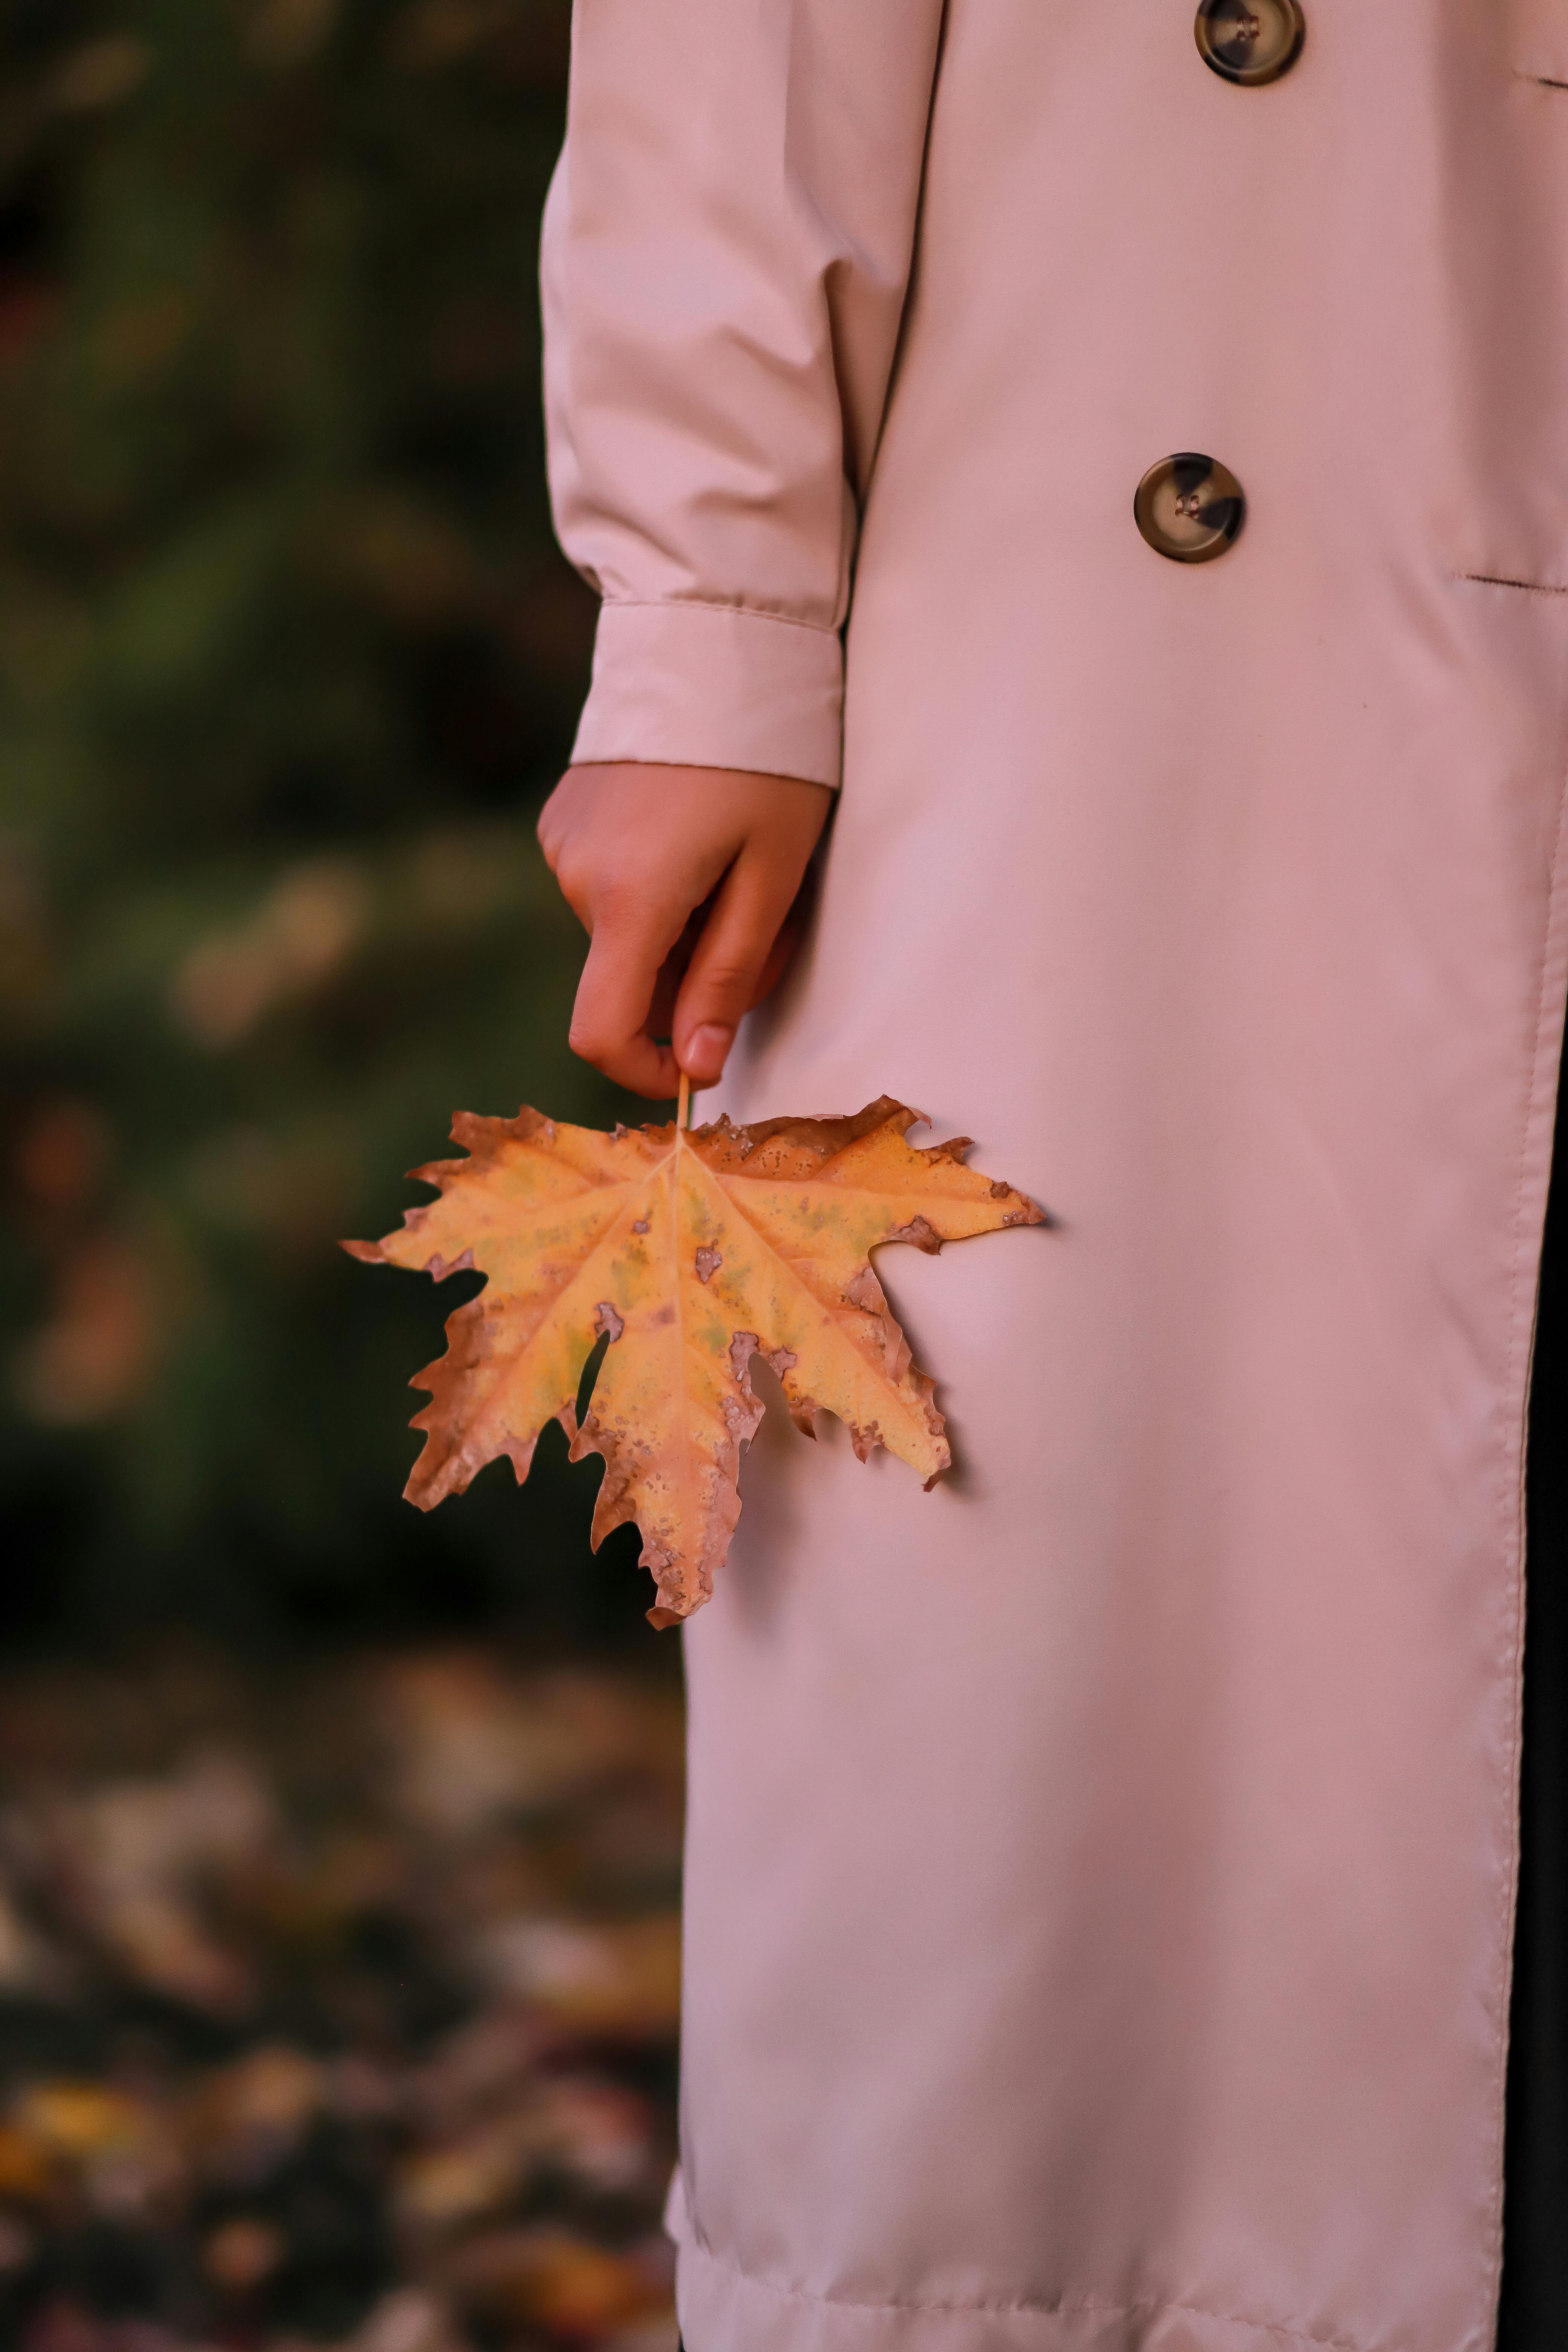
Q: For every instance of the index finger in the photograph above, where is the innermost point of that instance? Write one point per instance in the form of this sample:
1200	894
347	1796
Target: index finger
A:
614	998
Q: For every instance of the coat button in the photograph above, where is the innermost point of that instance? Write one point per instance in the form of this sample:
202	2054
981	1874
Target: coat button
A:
1189	507
1251	41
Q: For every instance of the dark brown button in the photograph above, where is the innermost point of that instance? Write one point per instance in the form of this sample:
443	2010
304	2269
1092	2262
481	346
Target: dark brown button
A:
1189	507
1251	41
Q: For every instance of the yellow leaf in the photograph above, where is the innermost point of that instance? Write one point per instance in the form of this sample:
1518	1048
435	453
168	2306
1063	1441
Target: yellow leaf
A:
692	1251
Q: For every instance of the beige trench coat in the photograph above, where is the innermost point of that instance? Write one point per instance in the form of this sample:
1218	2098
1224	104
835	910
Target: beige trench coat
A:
1101	1870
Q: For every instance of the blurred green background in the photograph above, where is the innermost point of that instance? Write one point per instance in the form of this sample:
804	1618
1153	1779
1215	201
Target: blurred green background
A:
288	658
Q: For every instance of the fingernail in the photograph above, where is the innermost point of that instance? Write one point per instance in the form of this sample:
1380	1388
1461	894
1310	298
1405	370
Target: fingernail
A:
705	1054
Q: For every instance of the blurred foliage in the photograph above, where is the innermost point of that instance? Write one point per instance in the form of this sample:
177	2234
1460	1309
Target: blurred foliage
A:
286	658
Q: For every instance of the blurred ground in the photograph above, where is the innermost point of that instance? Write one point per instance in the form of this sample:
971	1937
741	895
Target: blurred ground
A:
337	2004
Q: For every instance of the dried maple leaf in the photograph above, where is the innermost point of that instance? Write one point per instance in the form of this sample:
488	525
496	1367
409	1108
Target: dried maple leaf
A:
692	1250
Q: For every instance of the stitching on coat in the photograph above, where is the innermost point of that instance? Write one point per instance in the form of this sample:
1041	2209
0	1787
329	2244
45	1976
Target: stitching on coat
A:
1513	1515
1063	2310
708	605
1498	580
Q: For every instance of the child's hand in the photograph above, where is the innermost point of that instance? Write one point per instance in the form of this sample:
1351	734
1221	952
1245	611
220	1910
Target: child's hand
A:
684	879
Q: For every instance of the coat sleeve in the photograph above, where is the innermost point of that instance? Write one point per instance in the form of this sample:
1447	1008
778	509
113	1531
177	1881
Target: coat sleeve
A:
727	250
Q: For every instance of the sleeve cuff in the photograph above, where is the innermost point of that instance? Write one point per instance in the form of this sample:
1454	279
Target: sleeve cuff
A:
715	685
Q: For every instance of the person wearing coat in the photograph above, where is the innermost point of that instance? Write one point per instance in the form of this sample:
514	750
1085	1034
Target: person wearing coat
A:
1125	460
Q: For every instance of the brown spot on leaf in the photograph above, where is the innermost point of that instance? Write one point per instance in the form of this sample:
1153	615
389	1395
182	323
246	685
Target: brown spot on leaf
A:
605	1319
439	1268
640	1224
923	1236
708	1263
744	1345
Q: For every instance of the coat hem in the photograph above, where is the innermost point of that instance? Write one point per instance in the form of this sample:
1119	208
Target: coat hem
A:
722	2306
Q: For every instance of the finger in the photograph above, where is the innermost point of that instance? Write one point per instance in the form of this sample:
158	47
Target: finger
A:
614	998
672	972
791	933
728	963
781	955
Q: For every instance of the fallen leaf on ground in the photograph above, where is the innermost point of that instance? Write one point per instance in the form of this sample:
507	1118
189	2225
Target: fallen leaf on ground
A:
605	1979
690	1251
554	2279
306	2176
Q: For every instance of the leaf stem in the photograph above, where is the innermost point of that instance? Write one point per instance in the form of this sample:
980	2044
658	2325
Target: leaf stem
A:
683	1105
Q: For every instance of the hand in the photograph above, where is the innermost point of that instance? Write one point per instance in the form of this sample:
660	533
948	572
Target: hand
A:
685	879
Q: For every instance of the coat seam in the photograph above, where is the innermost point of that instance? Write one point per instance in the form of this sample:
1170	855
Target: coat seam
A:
1514	1521
1020	2309
1498	579
711	604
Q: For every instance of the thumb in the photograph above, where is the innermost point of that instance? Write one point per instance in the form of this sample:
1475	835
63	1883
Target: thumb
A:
723	978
